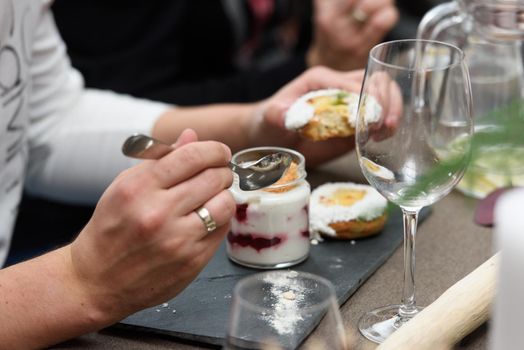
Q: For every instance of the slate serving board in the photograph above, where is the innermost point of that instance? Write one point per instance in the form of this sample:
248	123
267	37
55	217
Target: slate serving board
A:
201	312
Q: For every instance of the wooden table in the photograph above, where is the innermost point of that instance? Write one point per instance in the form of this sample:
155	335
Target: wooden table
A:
448	247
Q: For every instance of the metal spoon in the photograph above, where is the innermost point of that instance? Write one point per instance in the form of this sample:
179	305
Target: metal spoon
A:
253	175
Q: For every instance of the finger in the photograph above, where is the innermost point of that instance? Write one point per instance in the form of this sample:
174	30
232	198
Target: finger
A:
388	95
357	76
221	208
187	136
392	113
210	243
378	25
313	79
378	84
322	78
274	114
374	93
190	194
189	160
370	7
396	104
330	9
335	27
351	81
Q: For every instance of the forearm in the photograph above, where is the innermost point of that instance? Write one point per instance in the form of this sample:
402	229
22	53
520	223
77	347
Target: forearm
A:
84	150
41	304
75	152
227	123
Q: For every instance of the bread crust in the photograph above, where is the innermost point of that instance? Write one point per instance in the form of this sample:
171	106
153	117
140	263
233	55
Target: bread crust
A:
357	229
326	125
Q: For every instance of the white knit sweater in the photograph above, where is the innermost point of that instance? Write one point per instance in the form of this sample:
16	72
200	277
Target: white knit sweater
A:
57	138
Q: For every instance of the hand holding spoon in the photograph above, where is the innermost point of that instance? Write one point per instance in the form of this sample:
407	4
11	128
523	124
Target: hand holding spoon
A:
252	175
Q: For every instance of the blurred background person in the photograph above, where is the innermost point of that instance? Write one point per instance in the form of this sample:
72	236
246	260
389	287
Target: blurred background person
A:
199	51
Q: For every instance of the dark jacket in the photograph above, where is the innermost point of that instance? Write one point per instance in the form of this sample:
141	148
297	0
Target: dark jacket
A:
177	51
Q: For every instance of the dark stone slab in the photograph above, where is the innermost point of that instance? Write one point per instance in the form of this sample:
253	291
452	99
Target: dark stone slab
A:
202	309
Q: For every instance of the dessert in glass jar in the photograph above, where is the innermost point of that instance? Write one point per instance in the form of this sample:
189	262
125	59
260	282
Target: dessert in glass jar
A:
270	228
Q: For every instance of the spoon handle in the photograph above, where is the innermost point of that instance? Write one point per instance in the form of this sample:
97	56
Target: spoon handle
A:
145	147
250	179
238	169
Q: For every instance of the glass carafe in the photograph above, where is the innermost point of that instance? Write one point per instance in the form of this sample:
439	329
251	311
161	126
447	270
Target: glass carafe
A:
490	33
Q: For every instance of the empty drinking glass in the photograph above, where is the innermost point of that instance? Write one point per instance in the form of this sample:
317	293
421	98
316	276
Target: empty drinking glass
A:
278	309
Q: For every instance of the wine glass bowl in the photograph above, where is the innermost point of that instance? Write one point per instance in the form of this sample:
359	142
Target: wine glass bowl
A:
418	148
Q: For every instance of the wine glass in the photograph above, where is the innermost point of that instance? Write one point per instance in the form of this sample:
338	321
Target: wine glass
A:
413	135
278	309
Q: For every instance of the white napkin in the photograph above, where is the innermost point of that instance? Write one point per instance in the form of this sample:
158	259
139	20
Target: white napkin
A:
508	316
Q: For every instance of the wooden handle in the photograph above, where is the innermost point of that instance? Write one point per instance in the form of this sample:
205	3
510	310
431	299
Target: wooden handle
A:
455	314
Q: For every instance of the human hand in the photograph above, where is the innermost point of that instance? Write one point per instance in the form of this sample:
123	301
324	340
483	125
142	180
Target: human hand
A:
268	126
387	94
145	243
345	31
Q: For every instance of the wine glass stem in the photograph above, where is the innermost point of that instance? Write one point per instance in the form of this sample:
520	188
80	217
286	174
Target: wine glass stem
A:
408	307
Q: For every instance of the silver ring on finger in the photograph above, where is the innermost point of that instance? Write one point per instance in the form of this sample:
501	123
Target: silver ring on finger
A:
207	219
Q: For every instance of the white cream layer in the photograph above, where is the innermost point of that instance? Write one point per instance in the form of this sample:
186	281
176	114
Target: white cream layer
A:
368	208
270	214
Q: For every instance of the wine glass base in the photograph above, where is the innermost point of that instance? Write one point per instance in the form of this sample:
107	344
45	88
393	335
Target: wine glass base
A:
376	325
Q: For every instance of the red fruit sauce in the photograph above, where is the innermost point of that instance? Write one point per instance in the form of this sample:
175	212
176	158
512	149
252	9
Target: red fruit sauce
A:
241	213
255	241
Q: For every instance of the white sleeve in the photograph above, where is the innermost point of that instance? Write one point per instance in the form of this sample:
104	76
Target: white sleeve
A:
76	134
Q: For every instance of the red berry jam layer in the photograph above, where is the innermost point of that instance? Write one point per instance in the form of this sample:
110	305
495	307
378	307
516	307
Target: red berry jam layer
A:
241	213
255	241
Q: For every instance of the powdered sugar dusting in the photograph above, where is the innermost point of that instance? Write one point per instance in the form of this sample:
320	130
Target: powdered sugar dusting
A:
287	296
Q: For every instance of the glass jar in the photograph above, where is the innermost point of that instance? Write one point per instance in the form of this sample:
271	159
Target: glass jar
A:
271	226
489	33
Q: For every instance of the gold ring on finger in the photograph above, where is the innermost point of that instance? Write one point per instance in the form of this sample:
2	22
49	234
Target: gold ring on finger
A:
358	15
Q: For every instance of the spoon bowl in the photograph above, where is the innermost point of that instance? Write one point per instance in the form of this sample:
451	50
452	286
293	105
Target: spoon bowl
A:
253	175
